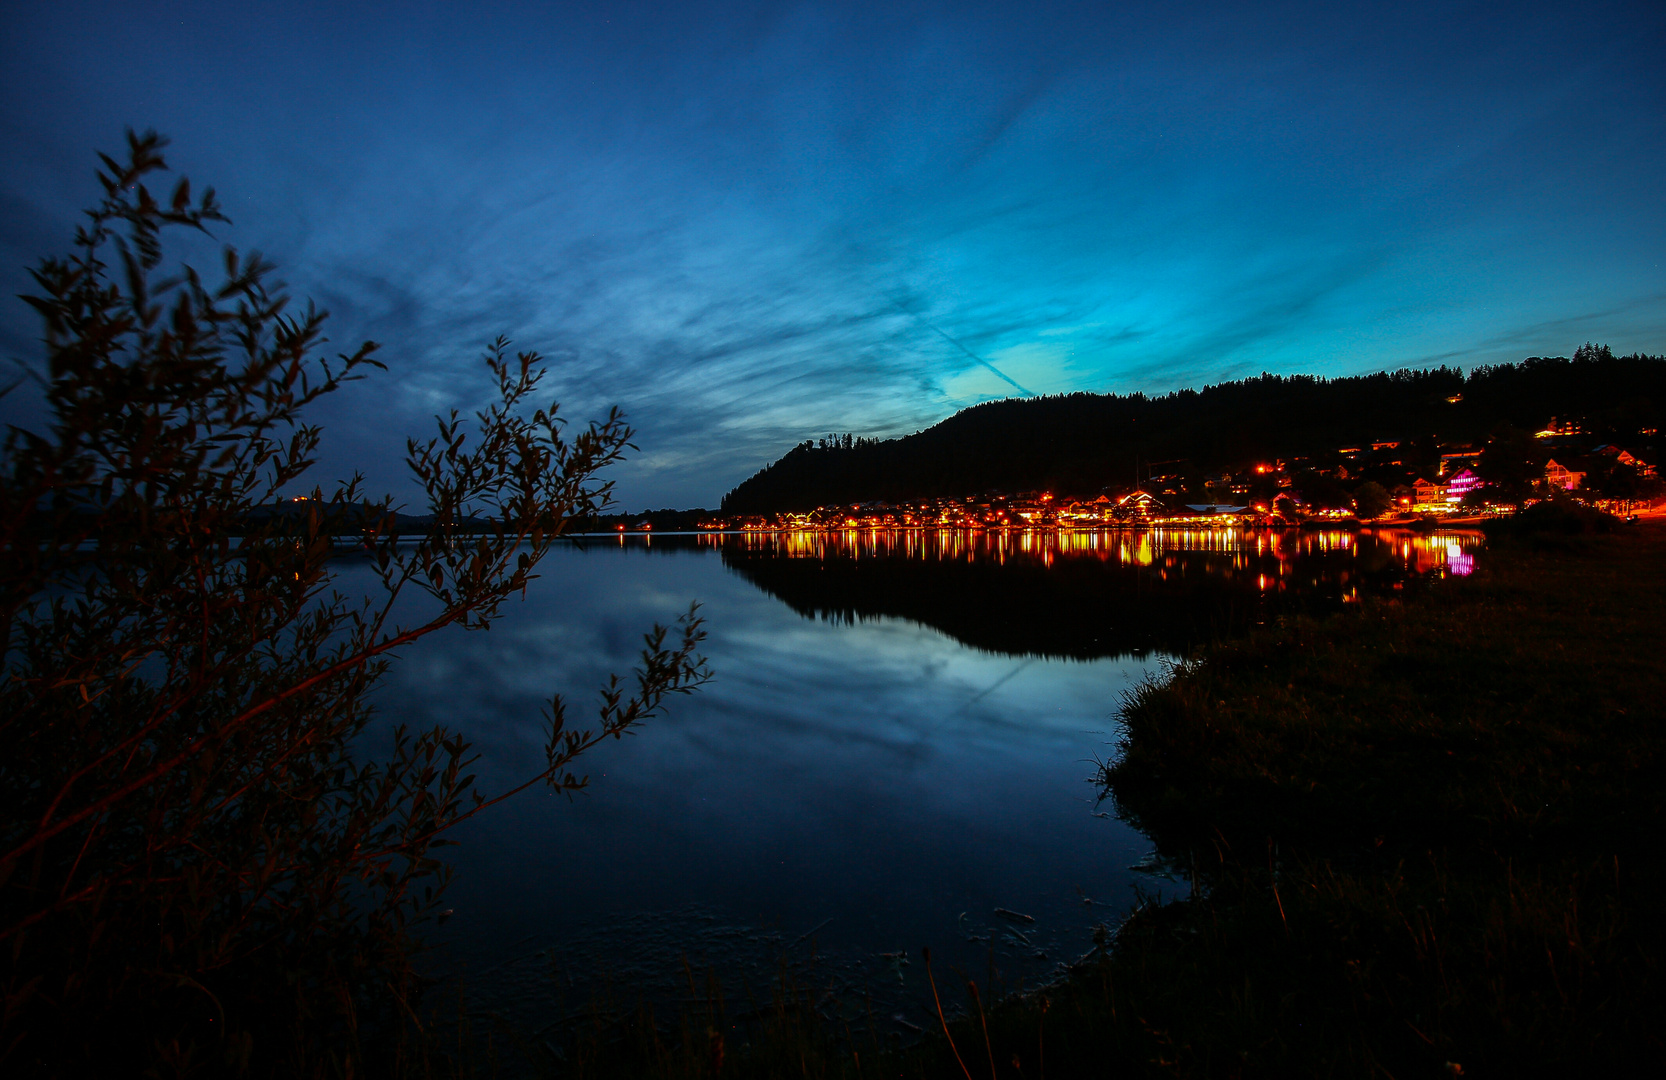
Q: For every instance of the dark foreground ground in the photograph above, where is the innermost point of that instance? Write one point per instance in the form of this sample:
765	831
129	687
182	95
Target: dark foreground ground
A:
1421	838
1429	835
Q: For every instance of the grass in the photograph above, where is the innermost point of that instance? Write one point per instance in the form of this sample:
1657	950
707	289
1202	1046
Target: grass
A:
1422	837
1425	834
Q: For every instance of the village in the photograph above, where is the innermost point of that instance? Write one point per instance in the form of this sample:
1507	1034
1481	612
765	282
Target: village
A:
1388	481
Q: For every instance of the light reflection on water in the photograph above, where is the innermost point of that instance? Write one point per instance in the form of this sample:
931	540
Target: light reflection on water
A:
1080	595
1420	552
861	781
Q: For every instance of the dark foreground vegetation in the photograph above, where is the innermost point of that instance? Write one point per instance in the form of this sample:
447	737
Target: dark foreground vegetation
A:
207	867
1419	838
1428	833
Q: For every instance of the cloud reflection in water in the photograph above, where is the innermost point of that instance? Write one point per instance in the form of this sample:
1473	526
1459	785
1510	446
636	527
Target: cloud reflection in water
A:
877	773
851	769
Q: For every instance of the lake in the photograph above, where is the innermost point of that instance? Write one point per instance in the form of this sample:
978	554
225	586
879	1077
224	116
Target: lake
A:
900	739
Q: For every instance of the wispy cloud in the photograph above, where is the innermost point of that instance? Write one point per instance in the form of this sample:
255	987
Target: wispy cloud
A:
751	228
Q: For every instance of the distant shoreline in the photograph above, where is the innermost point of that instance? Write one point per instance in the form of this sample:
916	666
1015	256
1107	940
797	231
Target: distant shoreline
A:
1464	524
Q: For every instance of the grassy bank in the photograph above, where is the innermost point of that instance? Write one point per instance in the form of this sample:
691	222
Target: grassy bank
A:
1421	836
1425	834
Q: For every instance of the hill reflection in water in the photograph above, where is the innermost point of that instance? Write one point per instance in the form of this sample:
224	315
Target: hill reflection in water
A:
1082	595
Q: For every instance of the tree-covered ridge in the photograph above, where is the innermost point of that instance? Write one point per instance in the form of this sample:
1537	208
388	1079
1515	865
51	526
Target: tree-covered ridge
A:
1081	443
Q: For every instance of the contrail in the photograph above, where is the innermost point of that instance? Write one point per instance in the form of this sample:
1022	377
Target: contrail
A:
996	685
999	374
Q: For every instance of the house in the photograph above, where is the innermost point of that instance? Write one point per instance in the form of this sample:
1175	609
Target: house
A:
1137	508
1458	457
1560	476
1428	493
1559	429
1625	457
1462	483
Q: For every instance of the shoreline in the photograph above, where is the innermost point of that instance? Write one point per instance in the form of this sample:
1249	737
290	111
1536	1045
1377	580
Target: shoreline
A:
1409	849
1416	837
1419	838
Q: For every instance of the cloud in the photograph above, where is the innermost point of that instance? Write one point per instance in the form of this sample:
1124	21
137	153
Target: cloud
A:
713	218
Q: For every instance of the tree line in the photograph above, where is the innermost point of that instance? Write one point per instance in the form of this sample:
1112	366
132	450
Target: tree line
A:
1082	443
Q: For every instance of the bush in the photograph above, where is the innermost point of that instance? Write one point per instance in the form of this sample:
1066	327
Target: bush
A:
1553	517
1371	500
196	872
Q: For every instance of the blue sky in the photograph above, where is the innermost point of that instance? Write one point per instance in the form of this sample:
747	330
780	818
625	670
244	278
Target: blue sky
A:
751	224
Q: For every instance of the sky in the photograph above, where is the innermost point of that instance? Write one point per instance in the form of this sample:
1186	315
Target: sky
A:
750	224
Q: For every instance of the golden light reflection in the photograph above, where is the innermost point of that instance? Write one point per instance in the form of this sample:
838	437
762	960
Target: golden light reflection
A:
1265	555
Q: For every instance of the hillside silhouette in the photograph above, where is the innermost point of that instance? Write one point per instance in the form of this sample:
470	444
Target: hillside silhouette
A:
1078	444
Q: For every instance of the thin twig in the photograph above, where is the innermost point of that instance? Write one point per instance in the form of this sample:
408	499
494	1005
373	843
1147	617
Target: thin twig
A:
926	952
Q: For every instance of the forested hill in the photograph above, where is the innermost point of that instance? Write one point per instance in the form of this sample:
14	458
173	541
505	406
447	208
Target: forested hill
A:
1081	443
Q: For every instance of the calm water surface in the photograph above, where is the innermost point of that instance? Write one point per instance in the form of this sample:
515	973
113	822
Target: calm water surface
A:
899	740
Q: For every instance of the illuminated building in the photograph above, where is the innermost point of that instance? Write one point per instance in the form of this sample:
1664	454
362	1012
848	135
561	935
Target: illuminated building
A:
1461	484
1560	476
1428	493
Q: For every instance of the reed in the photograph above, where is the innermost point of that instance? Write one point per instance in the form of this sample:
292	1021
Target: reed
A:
1420	837
1420	833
